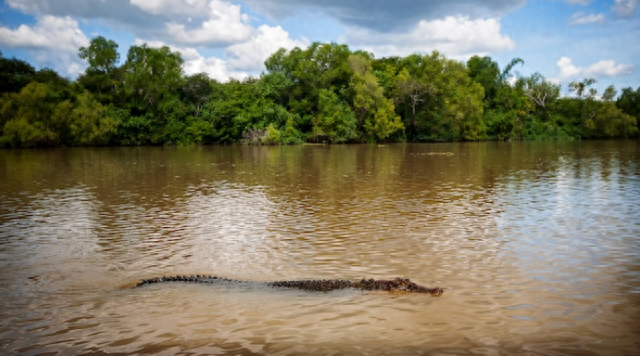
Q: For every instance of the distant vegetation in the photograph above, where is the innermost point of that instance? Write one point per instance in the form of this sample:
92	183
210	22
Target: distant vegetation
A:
324	93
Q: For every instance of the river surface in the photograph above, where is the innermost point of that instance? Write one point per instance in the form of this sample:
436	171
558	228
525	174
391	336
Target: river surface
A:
536	244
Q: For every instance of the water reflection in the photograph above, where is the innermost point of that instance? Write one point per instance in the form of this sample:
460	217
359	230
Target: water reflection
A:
55	228
536	245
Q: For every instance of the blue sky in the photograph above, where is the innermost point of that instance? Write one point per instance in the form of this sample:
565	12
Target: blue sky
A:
564	40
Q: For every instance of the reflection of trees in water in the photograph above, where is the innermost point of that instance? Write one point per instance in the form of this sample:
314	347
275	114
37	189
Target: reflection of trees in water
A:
366	208
228	225
354	211
569	234
51	235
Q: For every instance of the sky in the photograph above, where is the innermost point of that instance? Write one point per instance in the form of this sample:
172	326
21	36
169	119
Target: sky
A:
564	40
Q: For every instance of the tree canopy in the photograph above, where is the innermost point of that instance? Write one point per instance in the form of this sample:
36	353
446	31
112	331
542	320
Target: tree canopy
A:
323	93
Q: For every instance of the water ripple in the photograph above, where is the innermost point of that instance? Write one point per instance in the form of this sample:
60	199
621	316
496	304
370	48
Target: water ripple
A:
536	245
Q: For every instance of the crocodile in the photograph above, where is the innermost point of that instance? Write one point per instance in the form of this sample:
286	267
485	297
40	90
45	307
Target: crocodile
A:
312	285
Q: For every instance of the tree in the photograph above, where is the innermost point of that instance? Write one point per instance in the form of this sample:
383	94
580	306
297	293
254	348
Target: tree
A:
386	70
539	90
607	121
89	124
15	74
629	102
152	74
324	92
486	72
502	102
102	55
374	111
462	102
507	69
197	90
335	120
275	87
102	77
438	99
414	91
580	87
28	118
306	72
61	87
609	93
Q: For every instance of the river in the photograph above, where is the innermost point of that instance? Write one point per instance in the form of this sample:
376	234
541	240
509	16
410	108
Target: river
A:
536	244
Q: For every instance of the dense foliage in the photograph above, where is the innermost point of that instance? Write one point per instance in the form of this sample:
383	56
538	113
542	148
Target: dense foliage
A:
324	93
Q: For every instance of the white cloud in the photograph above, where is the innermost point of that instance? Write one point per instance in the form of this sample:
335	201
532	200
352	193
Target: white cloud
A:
625	8
580	18
608	68
453	36
194	63
251	55
213	23
216	68
247	58
604	68
49	32
567	69
53	42
226	24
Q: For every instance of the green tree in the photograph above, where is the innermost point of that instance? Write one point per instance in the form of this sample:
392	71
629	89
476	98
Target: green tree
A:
629	102
541	121
539	90
486	72
306	72
463	106
607	121
386	70
275	87
152	77
175	115
503	104
506	72
15	74
89	124
290	135
609	93
28	119
102	77
451	107
412	92
102	55
60	87
580	87
152	74
271	136
375	113
324	92
134	130
197	89
236	109
335	122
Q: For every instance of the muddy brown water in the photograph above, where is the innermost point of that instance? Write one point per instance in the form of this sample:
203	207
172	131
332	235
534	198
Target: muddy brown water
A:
536	244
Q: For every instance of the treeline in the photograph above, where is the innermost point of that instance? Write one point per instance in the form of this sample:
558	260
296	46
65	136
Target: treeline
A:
324	93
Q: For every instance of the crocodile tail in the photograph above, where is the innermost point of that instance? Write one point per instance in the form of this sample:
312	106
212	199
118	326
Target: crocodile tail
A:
190	278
